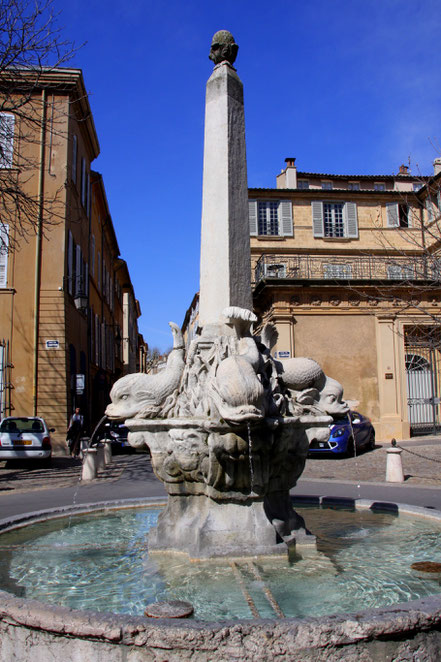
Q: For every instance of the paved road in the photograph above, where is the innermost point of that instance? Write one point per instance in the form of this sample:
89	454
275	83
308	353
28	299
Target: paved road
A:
28	488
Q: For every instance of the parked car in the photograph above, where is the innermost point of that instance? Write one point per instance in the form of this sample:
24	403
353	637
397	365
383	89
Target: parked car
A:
344	433
117	433
25	437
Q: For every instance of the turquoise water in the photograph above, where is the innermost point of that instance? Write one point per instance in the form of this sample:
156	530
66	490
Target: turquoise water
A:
101	562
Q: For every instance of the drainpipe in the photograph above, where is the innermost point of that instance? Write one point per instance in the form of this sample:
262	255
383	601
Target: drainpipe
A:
38	248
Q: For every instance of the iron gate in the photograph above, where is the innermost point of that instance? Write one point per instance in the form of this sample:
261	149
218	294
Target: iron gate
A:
423	384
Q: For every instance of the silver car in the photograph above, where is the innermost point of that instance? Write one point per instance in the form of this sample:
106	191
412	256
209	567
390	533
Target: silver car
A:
25	437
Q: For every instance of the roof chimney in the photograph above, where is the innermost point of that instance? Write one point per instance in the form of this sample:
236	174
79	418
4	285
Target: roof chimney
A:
437	166
290	162
404	170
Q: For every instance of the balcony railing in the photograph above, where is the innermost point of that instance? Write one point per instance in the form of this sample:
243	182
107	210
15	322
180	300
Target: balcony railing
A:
306	267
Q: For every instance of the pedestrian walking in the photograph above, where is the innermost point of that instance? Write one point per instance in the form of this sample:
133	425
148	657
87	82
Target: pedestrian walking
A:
74	431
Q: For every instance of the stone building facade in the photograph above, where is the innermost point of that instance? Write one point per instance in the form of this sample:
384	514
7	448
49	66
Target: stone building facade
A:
62	287
346	267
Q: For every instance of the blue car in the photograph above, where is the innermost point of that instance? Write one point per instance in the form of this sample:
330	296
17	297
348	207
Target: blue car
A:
344	433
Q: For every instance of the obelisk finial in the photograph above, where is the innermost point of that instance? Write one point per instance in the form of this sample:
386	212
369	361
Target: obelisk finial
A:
223	47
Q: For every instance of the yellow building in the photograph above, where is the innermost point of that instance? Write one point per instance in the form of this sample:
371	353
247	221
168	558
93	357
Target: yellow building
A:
346	268
62	285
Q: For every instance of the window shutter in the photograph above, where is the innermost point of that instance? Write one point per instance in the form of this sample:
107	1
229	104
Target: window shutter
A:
429	208
83	182
70	263
317	218
252	216
392	215
88	200
285	218
92	255
6	140
351	220
4	244
74	158
78	269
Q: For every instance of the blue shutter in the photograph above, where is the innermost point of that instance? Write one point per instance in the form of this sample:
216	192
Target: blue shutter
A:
252	217
350	209
317	219
285	218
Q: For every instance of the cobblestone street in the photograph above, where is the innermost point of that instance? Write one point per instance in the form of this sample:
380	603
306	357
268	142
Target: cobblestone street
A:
371	466
64	472
422	468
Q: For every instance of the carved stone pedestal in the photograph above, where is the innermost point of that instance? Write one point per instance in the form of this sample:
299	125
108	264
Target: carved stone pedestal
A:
228	486
204	528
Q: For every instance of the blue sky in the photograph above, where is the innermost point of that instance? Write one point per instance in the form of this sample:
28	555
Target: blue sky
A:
345	86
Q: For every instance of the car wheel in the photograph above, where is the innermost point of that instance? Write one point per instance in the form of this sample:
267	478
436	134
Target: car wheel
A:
350	448
371	442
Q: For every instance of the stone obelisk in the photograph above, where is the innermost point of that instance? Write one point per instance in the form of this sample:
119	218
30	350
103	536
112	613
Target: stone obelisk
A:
225	278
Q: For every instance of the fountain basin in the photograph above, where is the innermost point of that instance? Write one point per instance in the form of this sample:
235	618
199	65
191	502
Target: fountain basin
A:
390	632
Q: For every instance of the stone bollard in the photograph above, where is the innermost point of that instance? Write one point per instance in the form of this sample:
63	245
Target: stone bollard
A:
89	464
108	452
394	465
100	461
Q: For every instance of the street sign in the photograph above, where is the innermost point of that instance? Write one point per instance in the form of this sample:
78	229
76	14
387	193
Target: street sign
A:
52	344
80	384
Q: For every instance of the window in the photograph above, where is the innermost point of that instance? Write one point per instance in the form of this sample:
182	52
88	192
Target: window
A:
334	219
327	186
398	215
74	158
302	183
379	186
4	243
400	272
331	270
270	218
354	186
436	269
6	139
417	186
275	270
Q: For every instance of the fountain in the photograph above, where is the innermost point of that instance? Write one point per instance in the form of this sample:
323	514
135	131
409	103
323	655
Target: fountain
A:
228	428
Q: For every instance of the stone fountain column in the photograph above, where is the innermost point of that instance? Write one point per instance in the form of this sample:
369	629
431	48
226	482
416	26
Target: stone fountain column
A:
225	276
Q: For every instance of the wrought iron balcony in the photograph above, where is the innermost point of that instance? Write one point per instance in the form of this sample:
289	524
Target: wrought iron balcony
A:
341	268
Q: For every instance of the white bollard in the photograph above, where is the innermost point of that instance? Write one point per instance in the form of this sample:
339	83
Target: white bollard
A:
394	466
108	452
89	464
100	462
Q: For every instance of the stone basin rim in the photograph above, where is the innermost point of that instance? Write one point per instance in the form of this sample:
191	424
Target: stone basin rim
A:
307	420
130	630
